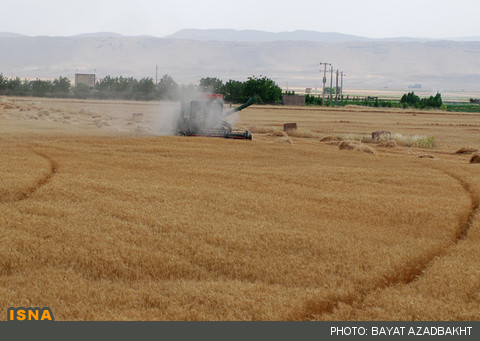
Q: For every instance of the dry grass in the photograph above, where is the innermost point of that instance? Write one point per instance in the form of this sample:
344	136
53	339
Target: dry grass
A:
388	144
348	145
451	130
331	138
466	150
300	133
364	149
102	226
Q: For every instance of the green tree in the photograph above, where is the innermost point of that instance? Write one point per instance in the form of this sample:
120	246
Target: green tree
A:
40	88
233	91
106	87
313	100
211	84
3	84
167	88
410	99
81	91
124	87
15	87
263	89
145	89
437	101
61	86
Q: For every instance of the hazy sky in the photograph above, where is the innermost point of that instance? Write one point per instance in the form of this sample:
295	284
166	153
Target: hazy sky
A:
371	18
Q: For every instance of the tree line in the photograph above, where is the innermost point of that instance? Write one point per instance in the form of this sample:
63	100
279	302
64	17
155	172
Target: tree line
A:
413	100
409	100
263	89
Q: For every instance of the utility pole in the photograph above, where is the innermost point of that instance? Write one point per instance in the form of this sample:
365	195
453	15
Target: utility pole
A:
156	74
324	80
341	85
336	87
331	83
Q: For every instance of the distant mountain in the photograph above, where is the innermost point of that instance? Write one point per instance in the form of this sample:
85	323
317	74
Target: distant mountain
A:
299	35
435	65
472	38
262	36
230	35
10	35
98	35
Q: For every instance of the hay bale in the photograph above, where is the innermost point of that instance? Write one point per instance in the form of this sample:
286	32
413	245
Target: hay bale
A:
285	139
466	150
331	138
278	133
348	145
141	130
100	123
475	158
137	117
334	143
388	144
365	149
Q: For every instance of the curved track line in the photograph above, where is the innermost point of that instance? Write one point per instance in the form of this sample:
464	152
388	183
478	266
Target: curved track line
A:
406	275
39	183
475	202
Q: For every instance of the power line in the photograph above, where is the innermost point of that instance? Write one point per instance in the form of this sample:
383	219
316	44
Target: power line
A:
336	86
324	79
331	83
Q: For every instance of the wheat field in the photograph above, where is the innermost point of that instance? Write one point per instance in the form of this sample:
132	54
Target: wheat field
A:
101	219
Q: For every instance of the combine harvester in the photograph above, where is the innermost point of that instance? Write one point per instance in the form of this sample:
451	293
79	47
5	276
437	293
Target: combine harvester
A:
204	116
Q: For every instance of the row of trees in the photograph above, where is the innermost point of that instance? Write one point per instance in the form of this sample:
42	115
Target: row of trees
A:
105	88
263	89
407	100
420	103
60	87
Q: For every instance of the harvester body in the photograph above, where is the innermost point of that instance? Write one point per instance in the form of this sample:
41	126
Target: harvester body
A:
204	116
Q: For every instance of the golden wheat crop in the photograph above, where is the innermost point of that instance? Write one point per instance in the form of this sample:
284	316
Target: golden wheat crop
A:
107	226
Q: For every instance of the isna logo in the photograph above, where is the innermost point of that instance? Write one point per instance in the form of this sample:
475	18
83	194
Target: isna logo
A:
30	314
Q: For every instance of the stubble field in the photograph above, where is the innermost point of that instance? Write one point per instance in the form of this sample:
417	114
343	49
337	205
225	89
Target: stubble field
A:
100	219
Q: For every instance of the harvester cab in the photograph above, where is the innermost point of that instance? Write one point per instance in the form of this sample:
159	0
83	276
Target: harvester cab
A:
204	116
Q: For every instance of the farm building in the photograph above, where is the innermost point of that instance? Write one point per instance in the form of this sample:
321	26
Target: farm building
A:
293	100
85	78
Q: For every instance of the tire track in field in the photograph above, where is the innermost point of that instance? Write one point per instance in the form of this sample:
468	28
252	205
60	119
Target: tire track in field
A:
406	275
475	203
29	191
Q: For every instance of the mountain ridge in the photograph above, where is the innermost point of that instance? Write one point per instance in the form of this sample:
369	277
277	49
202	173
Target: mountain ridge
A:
367	64
255	36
